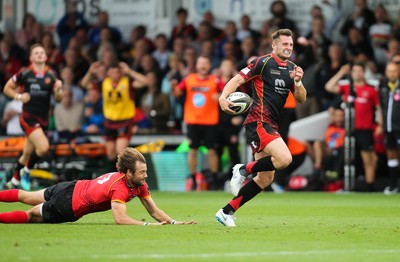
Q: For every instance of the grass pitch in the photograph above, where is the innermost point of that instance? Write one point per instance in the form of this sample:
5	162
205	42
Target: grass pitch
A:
271	227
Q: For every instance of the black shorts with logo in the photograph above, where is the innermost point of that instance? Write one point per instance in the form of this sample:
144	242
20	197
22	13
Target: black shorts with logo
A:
58	205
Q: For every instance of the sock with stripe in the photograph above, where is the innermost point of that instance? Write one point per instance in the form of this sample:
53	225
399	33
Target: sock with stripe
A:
246	193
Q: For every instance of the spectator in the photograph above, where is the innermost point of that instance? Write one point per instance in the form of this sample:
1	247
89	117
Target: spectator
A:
279	20
329	24
93	118
156	105
201	115
204	34
77	64
366	102
207	48
96	49
357	47
245	30
318	36
24	36
189	60
69	24
379	35
393	49
37	33
55	58
10	61
362	18
182	28
328	155
247	48
174	75
230	33
216	33
162	53
327	70
10	118
102	23
67	76
68	117
178	47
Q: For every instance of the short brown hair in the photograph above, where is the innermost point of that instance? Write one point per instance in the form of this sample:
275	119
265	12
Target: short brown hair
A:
285	32
34	46
127	160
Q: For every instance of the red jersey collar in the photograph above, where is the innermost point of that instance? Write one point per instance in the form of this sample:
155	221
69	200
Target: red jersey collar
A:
279	62
46	68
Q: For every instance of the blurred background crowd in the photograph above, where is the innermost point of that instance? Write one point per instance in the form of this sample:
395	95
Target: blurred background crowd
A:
77	48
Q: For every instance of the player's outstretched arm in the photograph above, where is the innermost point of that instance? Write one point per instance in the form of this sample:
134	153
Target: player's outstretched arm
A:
121	217
160	215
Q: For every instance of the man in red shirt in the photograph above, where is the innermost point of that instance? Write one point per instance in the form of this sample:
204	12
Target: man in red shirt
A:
69	201
366	103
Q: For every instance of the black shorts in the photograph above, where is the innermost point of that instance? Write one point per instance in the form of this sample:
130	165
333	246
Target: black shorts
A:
202	135
118	129
31	124
259	135
58	205
392	140
364	140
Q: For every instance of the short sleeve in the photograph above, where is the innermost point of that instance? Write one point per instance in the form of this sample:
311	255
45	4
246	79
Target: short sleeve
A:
254	68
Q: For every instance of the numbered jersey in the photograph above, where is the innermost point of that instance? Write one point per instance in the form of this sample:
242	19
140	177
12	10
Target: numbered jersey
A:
40	88
96	195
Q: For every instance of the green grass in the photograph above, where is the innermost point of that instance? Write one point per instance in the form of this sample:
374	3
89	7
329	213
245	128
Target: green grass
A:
271	227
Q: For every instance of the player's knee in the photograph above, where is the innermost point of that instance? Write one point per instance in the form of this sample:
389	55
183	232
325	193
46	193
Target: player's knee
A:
283	161
42	150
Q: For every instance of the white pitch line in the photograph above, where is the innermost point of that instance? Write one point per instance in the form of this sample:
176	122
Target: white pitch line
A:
217	255
249	254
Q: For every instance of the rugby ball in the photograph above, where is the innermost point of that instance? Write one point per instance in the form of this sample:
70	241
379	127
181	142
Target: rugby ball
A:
241	100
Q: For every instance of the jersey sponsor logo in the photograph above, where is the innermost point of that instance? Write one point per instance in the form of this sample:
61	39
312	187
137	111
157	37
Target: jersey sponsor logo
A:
245	70
200	88
280	82
280	87
199	100
275	72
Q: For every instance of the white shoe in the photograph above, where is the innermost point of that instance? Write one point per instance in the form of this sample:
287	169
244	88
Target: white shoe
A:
224	219
390	191
236	180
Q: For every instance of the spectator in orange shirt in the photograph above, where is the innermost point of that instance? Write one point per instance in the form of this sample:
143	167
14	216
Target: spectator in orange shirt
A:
201	113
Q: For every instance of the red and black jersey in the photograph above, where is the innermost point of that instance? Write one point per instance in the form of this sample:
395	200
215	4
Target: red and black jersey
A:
96	195
40	88
271	84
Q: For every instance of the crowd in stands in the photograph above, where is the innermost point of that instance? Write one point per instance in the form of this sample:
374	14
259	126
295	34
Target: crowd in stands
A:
81	54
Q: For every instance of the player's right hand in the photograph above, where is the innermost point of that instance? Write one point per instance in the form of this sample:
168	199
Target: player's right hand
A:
225	105
25	97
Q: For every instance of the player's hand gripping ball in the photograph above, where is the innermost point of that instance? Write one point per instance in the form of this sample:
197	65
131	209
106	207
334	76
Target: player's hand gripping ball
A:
241	100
